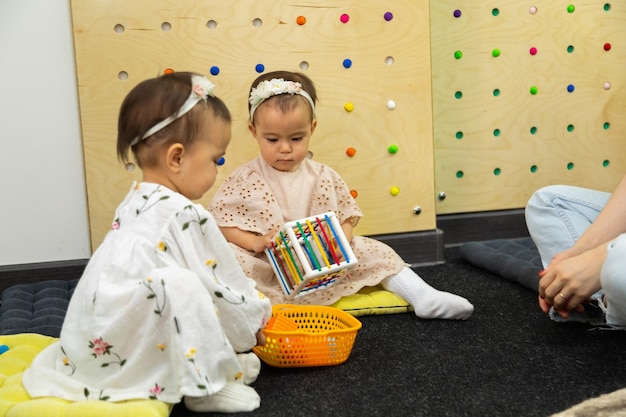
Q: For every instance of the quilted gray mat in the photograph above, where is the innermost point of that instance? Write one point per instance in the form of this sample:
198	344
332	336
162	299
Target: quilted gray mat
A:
516	260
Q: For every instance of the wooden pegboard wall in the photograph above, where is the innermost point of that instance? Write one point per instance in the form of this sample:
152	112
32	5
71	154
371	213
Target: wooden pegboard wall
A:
526	94
120	43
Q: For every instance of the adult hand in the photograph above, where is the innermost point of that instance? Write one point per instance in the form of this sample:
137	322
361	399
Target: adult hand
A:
568	282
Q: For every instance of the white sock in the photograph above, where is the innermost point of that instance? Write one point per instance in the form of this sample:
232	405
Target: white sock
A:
233	398
427	302
250	365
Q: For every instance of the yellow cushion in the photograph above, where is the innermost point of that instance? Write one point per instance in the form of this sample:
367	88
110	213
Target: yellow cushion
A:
15	402
372	300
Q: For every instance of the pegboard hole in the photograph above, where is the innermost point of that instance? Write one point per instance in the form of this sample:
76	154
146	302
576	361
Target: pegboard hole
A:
533	130
607	7
533	168
459	174
606	125
212	24
119	28
303	66
122	75
166	26
570	49
606	163
496	92
570	166
389	60
130	167
458	95
496	132
459	135
257	23
570	128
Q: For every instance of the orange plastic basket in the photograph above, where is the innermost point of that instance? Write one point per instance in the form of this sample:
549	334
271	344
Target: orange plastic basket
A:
299	336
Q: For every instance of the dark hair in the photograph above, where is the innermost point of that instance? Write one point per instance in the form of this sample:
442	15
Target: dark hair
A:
286	102
154	100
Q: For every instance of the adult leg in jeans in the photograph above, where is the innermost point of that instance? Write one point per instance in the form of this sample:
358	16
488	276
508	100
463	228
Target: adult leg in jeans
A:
557	215
613	278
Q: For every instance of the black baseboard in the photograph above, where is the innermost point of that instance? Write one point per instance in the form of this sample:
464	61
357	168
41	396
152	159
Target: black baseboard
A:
416	248
490	225
454	229
42	271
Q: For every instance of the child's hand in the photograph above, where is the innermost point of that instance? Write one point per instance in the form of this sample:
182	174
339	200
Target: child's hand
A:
260	338
260	243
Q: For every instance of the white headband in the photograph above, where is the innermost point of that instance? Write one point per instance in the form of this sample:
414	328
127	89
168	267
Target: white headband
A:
275	87
201	87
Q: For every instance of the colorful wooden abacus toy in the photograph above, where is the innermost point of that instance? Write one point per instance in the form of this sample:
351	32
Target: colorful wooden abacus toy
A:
310	254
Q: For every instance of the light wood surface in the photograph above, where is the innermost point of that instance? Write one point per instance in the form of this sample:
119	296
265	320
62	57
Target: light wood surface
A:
514	30
120	43
420	41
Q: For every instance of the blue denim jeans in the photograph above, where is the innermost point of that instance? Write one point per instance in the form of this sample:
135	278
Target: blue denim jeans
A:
557	215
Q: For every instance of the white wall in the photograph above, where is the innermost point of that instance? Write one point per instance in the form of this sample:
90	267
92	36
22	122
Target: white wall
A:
43	203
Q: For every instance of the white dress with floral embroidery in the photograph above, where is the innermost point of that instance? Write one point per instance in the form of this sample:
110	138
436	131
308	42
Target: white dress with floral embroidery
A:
258	198
159	312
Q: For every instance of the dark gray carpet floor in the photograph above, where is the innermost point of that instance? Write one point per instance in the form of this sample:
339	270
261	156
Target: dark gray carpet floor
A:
508	359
